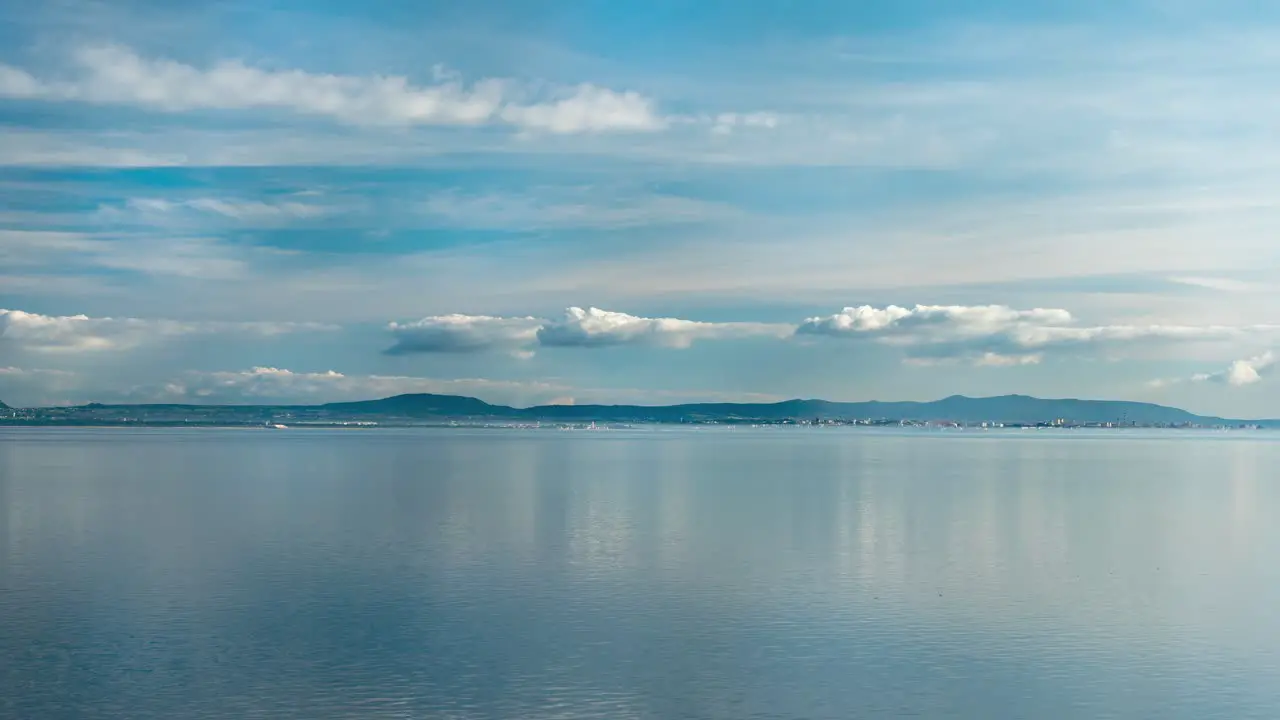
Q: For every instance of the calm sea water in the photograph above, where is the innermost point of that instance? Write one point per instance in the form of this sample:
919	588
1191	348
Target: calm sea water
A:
648	574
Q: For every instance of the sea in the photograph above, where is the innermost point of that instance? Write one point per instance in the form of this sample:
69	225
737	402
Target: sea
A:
657	573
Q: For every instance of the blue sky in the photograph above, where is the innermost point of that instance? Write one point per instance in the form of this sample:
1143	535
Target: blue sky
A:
639	201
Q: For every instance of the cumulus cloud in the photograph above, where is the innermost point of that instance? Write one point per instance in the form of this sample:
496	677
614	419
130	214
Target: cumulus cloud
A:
989	334
594	327
464	333
1238	374
34	332
118	75
575	328
984	335
1248	372
591	327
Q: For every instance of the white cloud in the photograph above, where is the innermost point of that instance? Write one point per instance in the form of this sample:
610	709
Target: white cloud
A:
562	209
34	332
16	83
270	384
190	257
239	210
27	147
576	328
1238	374
14	372
991	359
726	123
990	334
986	359
464	333
587	108
20	382
117	75
594	327
984	335
1220	284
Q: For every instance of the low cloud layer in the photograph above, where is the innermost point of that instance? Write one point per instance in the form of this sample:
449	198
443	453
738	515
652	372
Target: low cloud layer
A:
117	75
982	335
270	384
578	327
990	334
280	385
73	334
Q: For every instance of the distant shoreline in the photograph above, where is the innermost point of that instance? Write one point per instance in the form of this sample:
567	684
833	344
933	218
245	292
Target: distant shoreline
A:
428	410
589	427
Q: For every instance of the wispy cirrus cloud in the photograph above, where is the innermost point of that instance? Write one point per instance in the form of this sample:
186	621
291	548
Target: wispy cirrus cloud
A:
240	210
188	257
109	74
12	373
562	208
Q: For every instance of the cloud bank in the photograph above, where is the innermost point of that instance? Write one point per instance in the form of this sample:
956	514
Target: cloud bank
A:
33	332
111	74
982	335
601	328
580	328
463	333
994	335
274	384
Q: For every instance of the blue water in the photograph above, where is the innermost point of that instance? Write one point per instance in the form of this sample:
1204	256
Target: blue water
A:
638	574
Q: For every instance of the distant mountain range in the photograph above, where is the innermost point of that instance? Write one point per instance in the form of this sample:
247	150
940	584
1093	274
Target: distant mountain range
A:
1013	409
1006	409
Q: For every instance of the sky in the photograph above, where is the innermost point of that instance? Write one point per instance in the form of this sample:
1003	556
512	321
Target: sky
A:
532	201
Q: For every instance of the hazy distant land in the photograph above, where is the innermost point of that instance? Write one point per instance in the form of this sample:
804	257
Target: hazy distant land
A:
428	409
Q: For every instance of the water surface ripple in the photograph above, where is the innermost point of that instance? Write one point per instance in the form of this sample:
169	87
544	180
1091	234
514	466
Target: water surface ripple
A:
638	574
